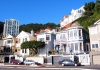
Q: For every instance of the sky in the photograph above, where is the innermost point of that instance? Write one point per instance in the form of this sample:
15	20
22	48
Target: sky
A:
38	11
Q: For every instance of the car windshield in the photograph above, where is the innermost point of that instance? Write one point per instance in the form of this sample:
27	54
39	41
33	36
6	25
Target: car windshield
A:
68	60
29	61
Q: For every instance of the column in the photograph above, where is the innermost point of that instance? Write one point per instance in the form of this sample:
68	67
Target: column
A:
54	44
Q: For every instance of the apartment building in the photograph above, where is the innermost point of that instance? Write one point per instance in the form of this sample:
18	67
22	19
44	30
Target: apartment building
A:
11	27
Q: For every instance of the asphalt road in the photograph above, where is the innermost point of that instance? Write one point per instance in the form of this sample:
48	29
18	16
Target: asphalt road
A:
18	67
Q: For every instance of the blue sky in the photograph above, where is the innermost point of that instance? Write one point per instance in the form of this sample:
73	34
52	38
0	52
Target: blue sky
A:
38	11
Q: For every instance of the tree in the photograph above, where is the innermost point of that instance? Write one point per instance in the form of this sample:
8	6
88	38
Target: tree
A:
33	46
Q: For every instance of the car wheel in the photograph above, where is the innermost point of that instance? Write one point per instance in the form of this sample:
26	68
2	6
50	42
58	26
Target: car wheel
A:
62	64
75	64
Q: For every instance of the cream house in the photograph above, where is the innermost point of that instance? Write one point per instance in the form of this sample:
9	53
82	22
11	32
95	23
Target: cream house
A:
9	42
94	33
22	37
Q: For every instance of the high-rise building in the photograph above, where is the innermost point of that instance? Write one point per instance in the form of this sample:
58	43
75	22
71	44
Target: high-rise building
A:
11	27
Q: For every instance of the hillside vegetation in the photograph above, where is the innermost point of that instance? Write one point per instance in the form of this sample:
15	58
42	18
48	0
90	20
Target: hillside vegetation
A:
91	15
1	28
36	26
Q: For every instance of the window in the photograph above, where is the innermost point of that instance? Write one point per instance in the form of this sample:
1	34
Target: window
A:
71	33
25	50
25	39
41	39
47	37
22	50
68	34
80	46
9	41
75	33
80	33
94	45
64	37
72	46
76	46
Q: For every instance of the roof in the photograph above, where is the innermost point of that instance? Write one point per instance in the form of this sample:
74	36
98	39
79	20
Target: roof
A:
24	32
96	23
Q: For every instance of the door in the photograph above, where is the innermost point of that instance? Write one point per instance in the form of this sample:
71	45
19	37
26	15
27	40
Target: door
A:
96	59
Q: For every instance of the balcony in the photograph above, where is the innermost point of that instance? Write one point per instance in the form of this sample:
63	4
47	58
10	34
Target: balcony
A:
75	38
60	41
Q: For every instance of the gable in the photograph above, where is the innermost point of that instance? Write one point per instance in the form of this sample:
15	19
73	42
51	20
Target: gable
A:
23	34
9	36
97	22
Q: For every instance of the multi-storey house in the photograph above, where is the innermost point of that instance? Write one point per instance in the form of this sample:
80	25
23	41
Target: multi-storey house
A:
74	15
72	39
94	33
22	37
9	44
47	35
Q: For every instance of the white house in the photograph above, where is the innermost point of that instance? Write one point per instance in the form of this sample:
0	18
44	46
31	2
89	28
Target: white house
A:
48	37
75	14
22	37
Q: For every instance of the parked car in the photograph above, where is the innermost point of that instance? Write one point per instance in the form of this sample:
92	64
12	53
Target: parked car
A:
70	63
13	61
60	62
29	62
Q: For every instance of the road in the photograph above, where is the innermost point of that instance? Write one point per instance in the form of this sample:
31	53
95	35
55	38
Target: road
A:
49	68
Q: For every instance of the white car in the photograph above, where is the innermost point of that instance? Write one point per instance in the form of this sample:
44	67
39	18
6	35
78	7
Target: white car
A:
29	62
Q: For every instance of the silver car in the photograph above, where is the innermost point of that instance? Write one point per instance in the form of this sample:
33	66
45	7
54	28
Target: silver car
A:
29	62
70	63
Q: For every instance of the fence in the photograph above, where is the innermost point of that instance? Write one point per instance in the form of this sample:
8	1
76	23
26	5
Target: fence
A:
84	59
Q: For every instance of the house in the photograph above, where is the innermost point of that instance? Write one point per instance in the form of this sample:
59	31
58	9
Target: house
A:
46	35
94	33
74	15
1	46
9	43
22	37
72	40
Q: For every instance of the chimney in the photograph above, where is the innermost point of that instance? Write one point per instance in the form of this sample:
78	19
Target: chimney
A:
32	32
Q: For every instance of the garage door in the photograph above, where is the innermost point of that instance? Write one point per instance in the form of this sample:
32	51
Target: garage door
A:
96	59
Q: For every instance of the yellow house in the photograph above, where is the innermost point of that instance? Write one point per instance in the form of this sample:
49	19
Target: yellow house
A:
22	37
9	42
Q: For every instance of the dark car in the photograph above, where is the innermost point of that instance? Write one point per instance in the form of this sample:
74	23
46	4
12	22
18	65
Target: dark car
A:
37	63
13	61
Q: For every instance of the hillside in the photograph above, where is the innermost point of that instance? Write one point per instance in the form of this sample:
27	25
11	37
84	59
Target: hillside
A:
1	27
36	26
91	15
